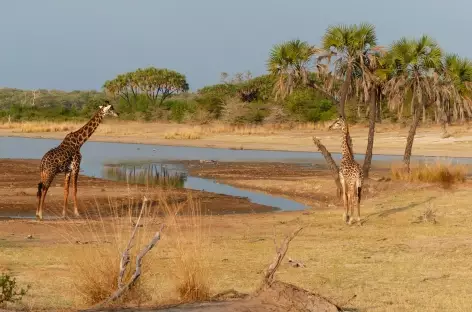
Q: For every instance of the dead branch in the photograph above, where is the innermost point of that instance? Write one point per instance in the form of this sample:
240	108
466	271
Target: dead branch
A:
282	250
137	273
331	164
125	259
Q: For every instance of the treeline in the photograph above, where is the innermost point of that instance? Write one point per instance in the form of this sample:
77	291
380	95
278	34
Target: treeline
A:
347	73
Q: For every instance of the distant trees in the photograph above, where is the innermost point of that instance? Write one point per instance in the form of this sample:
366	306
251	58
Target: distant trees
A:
157	84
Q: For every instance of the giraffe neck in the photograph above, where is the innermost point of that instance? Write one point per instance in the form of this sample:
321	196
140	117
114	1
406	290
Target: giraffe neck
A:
78	138
347	146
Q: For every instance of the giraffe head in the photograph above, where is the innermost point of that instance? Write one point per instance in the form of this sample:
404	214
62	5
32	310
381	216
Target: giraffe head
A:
108	110
339	123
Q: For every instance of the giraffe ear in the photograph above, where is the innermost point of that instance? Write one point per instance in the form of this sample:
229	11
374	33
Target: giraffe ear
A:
101	106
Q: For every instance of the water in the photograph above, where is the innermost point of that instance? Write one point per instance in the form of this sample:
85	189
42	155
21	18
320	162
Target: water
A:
96	155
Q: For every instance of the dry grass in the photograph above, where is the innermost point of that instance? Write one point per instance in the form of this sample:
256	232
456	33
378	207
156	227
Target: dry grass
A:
41	126
389	263
191	239
445	174
95	262
99	244
184	134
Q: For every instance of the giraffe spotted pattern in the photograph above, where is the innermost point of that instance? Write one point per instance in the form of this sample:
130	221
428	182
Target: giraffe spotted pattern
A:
66	158
350	173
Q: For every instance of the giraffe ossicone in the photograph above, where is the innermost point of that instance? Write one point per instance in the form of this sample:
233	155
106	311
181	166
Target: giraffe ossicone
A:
66	158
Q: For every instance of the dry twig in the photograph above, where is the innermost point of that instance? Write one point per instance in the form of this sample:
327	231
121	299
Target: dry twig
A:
125	260
281	251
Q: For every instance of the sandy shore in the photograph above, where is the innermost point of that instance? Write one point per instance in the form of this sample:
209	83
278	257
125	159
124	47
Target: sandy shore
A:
388	140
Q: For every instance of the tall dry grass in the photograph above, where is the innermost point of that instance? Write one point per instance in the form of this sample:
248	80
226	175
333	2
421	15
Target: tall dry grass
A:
190	238
102	236
445	174
40	126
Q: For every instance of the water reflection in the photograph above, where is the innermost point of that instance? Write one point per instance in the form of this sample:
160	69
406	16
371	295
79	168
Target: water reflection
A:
150	174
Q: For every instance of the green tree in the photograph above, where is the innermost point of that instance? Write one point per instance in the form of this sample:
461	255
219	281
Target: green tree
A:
415	62
289	63
348	43
458	72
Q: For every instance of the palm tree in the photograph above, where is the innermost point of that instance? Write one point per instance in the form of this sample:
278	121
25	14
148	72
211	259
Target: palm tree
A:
415	62
349	43
371	75
289	63
458	72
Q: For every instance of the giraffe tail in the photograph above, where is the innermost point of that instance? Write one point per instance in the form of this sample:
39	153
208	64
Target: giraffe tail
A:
40	189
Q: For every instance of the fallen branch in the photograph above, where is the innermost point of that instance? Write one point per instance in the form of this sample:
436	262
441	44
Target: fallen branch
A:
331	164
125	259
281	251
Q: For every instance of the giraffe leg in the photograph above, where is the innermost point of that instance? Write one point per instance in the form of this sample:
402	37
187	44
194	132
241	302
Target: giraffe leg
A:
346	204
74	193
351	207
358	204
66	193
75	175
41	204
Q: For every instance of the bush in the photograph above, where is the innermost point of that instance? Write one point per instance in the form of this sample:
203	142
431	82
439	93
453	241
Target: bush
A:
308	106
234	111
9	291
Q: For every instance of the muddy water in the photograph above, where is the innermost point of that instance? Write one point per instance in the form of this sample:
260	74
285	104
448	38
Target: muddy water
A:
124	157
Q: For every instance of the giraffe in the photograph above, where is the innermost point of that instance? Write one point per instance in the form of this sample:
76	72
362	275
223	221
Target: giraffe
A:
66	158
350	173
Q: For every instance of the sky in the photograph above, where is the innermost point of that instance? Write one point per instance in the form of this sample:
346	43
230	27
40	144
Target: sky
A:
78	45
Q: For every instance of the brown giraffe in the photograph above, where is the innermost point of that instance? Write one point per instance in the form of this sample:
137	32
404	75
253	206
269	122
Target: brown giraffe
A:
350	173
66	158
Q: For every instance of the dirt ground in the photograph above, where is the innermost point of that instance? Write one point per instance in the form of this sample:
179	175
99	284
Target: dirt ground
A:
18	187
389	138
412	253
311	184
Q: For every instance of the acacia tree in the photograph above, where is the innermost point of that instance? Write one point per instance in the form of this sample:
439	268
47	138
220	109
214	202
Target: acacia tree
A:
414	64
349	44
155	83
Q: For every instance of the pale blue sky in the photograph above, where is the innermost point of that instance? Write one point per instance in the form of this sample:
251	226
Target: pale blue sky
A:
78	44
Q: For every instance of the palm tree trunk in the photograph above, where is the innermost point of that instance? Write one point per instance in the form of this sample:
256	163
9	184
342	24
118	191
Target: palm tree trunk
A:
370	139
410	138
345	90
378	115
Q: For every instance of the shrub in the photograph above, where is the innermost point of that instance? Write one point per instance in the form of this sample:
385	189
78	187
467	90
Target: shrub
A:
9	291
234	111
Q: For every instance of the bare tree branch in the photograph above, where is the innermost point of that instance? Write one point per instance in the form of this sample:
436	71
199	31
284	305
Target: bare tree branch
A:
282	250
331	164
125	259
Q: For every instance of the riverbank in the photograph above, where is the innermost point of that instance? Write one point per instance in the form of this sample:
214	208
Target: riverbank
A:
18	187
389	139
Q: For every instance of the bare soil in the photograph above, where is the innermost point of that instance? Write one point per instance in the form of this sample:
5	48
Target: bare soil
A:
18	187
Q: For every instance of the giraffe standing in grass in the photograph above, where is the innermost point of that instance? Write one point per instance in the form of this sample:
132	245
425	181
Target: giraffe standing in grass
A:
350	173
66	158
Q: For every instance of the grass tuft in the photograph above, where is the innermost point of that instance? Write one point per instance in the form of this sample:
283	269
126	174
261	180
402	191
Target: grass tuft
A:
445	174
190	240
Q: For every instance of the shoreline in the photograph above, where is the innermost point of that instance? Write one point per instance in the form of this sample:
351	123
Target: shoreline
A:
253	146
